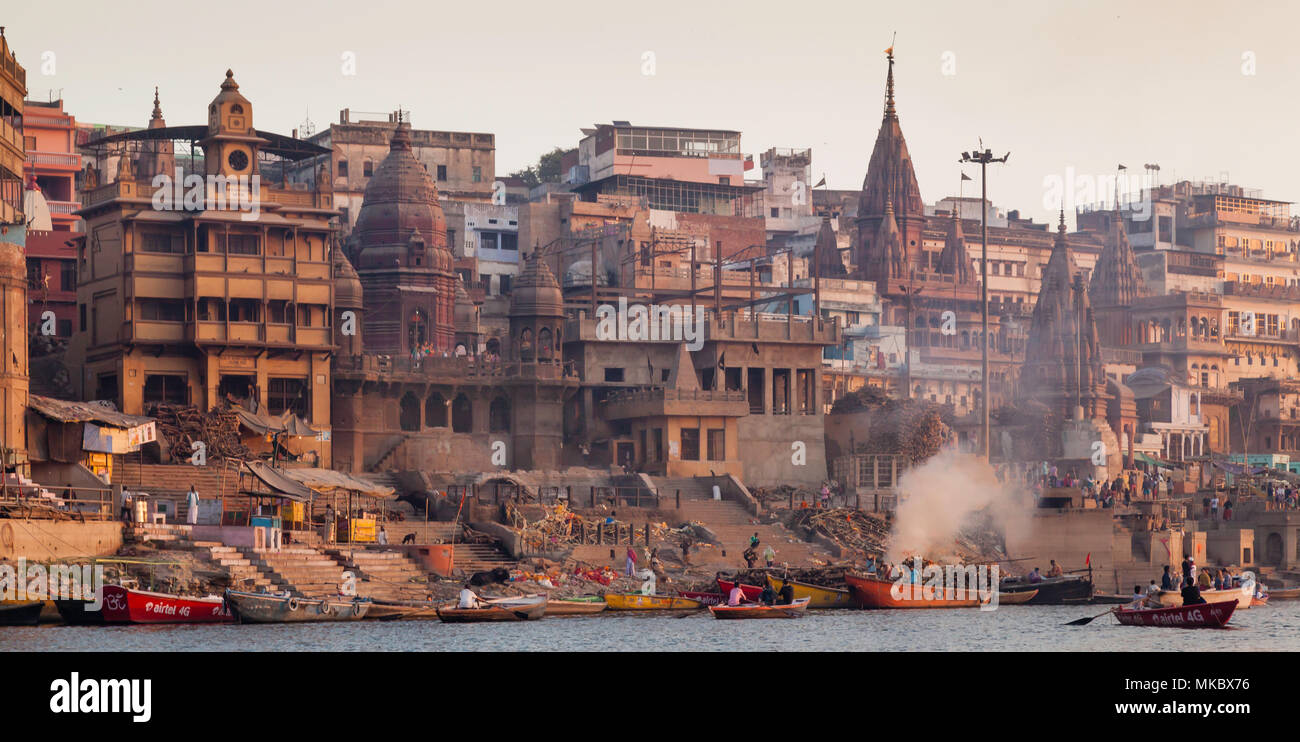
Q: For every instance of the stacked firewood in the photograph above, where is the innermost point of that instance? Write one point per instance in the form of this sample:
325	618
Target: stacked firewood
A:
851	529
179	426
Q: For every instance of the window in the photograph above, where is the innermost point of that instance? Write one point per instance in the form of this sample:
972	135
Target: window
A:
68	275
509	241
690	444
244	310
162	310
451	243
717	444
288	394
166	388
487	240
613	374
241	244
505	284
106	387
81	317
442	172
162	242
278	312
776	212
478	174
343	168
368	168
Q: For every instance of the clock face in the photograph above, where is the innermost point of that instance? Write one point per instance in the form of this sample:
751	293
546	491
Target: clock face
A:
237	159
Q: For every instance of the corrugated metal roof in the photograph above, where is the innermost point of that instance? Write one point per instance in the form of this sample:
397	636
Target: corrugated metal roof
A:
77	412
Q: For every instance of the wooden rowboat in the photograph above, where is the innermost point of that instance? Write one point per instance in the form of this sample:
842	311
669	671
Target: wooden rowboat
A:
751	592
818	597
638	602
1202	616
1019	598
267	608
793	610
1290	593
703	597
873	592
21	613
530	608
582	606
1174	598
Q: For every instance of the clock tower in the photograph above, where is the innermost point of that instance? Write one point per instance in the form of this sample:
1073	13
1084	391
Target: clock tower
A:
230	148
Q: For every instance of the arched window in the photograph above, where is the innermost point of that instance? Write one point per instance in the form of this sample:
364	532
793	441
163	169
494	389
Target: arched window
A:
462	415
493	346
526	343
545	344
410	412
499	415
435	411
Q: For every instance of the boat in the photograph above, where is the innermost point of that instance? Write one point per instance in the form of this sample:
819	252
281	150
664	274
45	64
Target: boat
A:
873	592
1260	600
581	606
1020	598
818	596
268	608
527	608
394	610
704	597
638	602
1174	598
1110	599
751	592
21	612
1289	593
758	610
124	605
1064	590
1200	616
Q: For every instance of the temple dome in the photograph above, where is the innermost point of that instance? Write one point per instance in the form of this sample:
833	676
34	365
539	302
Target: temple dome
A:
536	293
401	217
466	311
348	293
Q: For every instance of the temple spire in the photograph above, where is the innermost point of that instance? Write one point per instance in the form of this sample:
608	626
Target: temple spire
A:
157	106
890	112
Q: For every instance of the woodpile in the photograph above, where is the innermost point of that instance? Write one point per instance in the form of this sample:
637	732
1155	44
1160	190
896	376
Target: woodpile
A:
853	530
179	426
560	526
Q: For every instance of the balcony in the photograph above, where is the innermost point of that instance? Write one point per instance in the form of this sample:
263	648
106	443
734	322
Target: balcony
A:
451	368
639	403
58	160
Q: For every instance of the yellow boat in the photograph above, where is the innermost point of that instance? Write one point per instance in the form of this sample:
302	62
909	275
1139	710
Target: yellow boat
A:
637	602
818	597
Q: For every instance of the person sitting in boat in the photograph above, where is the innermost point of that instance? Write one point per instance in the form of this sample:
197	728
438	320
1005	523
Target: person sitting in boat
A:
1191	594
786	594
768	597
1204	581
1054	570
468	598
1034	577
1138	601
1167	580
1153	593
736	596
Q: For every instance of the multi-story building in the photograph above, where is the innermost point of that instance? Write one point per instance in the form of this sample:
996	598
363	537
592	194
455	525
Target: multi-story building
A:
52	167
13	284
199	293
463	164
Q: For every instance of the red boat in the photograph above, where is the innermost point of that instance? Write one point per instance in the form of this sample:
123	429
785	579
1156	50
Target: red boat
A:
703	597
872	592
1200	616
122	605
751	592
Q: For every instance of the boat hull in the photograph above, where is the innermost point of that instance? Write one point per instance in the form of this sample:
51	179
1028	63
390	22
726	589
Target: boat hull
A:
703	597
1290	593
737	612
1202	616
574	607
143	607
1052	590
24	613
530	609
261	608
635	602
1020	598
1174	598
818	597
875	593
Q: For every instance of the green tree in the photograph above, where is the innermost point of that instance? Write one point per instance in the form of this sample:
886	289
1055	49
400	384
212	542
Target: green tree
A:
547	170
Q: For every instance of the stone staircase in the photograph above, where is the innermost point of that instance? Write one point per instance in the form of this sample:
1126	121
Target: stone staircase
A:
733	526
244	575
165	536
301	570
472	558
386	575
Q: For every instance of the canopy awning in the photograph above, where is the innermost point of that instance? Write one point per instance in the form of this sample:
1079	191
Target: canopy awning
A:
286	422
328	481
276	481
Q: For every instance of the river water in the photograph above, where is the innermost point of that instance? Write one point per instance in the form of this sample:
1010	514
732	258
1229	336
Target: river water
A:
1273	627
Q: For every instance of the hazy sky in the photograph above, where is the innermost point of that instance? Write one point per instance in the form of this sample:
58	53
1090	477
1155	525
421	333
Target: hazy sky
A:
1081	85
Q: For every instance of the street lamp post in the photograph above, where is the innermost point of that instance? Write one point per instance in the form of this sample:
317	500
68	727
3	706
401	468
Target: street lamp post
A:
983	159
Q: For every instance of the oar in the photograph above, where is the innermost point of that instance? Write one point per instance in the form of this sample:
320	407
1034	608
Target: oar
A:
1086	621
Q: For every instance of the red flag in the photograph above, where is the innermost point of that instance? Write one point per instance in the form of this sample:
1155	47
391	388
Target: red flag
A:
1087	561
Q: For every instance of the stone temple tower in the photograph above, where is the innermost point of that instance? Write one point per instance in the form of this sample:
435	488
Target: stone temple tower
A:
13	346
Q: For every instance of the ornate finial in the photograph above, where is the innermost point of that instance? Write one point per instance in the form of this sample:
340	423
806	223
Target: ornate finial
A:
890	112
401	137
157	106
230	83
